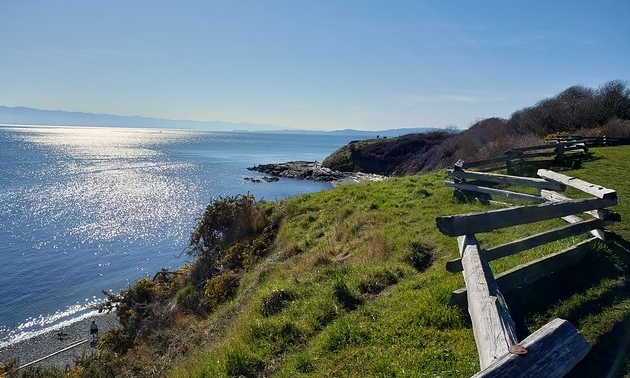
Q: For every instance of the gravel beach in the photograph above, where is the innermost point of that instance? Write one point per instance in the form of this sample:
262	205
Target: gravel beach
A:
38	347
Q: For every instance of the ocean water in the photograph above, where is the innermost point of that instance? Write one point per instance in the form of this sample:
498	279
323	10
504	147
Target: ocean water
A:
87	209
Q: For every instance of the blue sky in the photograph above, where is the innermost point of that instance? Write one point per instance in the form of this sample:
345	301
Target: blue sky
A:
308	64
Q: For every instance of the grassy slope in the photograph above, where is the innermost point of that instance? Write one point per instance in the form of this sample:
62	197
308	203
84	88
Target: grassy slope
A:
338	296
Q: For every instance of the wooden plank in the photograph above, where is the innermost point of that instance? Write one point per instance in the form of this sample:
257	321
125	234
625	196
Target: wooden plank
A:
593	189
506	179
473	223
478	163
492	324
496	192
553	196
552	351
603	214
533	241
578	147
542	238
531	272
538	154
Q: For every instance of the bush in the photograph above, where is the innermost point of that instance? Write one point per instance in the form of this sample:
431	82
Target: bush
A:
220	289
190	299
617	128
575	108
10	368
232	234
226	221
40	372
116	340
141	307
98	365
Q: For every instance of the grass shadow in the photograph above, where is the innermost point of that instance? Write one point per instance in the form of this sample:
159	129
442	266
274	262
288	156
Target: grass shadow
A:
468	196
587	293
538	298
610	355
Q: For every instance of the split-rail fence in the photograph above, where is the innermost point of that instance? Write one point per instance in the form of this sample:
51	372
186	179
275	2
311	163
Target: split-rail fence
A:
554	349
553	148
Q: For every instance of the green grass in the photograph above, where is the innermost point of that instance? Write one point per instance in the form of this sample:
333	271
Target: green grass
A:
356	287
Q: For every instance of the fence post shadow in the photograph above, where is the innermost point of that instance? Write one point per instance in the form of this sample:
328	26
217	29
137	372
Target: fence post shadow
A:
538	298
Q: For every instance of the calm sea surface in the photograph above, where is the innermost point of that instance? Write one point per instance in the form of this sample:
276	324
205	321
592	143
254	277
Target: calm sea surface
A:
86	209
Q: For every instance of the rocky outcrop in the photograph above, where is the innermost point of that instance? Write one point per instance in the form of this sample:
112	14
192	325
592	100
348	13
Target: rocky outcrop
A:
311	170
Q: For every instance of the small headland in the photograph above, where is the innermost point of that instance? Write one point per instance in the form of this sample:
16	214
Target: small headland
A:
312	170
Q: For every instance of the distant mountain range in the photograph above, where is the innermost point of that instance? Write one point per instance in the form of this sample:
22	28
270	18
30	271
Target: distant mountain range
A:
29	116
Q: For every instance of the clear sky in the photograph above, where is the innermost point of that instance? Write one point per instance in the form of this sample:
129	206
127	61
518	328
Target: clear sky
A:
308	64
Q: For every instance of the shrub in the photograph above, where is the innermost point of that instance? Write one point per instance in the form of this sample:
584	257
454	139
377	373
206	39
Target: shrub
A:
226	221
617	128
10	368
140	307
98	365
116	340
221	288
41	372
190	299
232	234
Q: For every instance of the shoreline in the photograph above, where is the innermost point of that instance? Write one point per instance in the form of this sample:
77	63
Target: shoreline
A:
41	350
313	170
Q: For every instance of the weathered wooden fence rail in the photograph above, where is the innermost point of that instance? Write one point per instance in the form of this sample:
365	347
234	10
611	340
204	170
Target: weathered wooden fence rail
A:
553	350
554	147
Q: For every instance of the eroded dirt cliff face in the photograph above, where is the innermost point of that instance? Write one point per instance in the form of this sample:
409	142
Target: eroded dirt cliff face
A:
393	156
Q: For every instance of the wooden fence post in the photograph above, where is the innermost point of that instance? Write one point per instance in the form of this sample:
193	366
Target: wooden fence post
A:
552	351
493	327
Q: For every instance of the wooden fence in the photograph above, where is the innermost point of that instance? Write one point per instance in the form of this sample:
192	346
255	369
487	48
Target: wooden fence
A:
553	148
554	349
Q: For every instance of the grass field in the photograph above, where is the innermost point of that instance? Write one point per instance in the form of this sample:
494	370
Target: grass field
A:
356	287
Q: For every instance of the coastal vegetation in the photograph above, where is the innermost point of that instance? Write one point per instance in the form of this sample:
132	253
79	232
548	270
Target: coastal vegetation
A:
575	111
351	282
